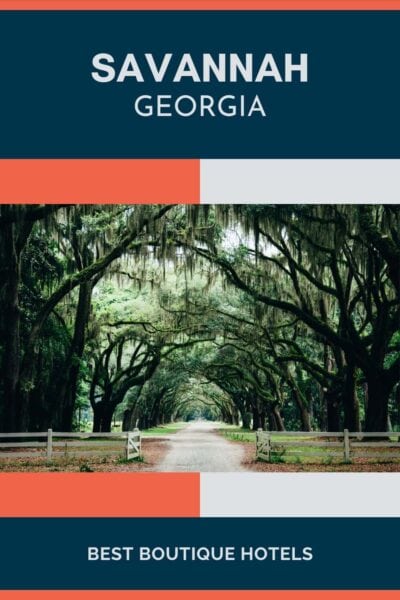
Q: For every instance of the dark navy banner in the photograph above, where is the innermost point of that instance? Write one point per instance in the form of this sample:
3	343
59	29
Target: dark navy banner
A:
347	104
202	553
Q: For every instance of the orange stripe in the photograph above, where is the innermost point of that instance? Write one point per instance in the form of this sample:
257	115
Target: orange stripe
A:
55	181
202	595
100	495
199	4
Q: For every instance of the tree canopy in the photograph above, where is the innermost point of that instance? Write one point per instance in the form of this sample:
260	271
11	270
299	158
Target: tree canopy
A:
277	316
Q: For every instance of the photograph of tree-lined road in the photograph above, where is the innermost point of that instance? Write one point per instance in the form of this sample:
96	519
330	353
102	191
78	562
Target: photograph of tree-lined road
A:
280	318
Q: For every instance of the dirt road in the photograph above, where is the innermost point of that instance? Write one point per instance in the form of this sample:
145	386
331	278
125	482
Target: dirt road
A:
199	448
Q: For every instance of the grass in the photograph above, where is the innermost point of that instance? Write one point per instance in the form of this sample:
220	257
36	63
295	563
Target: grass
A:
127	461
80	464
303	454
168	429
238	434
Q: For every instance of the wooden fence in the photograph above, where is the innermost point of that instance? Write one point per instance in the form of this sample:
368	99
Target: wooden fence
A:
54	444
344	446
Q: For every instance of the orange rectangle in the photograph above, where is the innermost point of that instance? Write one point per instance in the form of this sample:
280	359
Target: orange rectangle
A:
99	181
199	4
99	495
203	595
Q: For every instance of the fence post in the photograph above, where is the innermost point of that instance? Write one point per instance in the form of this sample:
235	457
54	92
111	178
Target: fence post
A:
346	442
263	442
128	433
268	445
257	441
49	444
137	431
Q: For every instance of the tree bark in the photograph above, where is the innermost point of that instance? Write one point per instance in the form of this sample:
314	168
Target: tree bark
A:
351	404
378	400
246	419
332	402
11	331
103	413
258	418
69	384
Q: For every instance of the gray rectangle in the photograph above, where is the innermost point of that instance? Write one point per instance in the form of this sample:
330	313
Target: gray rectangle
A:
304	181
300	494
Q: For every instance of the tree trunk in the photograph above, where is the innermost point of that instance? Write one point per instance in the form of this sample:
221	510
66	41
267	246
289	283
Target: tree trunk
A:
378	400
301	402
246	419
108	414
350	400
11	334
272	424
13	238
70	377
235	416
397	404
155	410
97	416
102	416
332	410
259	417
130	419
256	418
280	425
305	419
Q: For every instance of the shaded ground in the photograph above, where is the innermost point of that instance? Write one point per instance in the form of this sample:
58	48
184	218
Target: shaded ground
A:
250	464
194	447
198	447
153	452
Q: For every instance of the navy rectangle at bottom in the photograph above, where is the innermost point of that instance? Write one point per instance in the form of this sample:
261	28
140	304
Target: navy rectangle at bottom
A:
202	553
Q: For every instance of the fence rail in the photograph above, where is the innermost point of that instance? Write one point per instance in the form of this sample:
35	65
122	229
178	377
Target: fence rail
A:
55	444
342	445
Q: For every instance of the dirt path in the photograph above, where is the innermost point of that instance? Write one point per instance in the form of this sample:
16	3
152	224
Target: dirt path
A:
198	447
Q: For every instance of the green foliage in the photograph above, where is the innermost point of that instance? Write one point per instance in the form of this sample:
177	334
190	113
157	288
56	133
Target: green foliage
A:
237	434
283	315
85	468
126	461
169	429
277	456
